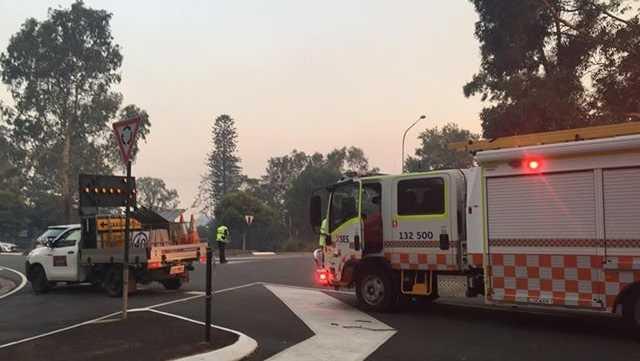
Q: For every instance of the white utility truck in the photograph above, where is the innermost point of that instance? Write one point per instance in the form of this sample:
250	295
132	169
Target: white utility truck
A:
93	252
549	219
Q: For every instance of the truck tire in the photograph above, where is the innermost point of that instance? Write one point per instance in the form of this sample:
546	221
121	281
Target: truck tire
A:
172	283
112	282
375	290
39	281
631	308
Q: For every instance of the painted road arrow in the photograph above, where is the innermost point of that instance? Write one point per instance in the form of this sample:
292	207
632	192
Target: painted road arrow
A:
341	331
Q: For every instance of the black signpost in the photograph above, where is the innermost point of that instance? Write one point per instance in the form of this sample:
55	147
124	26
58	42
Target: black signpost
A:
126	132
127	241
208	296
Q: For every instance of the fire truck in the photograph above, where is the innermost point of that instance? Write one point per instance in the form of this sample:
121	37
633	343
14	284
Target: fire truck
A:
548	219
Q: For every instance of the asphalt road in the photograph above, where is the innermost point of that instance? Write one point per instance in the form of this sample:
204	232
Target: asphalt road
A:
441	331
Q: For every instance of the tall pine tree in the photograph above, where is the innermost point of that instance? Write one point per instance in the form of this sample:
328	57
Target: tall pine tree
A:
223	169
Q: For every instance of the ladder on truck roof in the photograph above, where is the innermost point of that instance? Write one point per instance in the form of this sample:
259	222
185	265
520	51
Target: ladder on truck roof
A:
558	136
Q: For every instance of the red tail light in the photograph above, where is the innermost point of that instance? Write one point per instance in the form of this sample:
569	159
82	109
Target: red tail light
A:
533	164
322	277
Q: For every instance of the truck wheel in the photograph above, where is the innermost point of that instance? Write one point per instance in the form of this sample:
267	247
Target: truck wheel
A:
631	308
375	290
172	283
39	281
112	282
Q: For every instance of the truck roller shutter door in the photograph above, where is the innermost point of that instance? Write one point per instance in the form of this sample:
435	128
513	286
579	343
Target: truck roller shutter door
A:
542	206
543	240
622	224
622	203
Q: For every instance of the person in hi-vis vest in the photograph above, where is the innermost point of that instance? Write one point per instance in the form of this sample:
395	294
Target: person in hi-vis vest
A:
222	237
324	232
318	254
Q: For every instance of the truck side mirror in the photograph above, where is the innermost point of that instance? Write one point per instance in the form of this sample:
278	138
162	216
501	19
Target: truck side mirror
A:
315	213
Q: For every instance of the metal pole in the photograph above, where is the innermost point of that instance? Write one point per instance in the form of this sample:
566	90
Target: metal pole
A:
207	310
125	263
405	135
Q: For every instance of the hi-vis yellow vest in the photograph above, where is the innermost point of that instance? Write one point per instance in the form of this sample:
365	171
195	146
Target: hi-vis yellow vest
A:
324	232
222	234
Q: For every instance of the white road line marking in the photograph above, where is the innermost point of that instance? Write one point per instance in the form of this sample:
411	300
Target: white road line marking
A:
263	253
176	301
199	294
330	290
233	261
237	287
57	331
148	308
23	282
240	349
341	331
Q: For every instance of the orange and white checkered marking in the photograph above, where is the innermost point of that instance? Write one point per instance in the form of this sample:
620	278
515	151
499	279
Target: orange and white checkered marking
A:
475	259
548	279
622	263
421	261
616	281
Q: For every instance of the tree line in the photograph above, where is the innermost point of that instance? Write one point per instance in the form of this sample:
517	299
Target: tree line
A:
545	65
278	199
61	73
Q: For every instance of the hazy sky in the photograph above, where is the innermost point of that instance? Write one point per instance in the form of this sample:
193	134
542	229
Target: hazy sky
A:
293	74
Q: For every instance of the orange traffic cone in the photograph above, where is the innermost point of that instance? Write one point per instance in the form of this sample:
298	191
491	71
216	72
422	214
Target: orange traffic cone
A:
183	235
194	237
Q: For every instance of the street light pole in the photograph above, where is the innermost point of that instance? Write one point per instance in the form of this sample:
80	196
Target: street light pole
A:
405	135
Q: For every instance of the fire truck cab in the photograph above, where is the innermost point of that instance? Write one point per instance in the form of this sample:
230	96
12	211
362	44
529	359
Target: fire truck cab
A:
374	224
553	224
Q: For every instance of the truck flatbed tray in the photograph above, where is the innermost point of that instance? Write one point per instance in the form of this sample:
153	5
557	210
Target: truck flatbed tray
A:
180	252
109	255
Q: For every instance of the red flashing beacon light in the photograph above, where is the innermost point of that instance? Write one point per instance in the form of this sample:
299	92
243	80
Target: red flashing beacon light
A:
533	164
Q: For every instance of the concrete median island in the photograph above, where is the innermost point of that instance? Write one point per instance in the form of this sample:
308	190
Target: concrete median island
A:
144	335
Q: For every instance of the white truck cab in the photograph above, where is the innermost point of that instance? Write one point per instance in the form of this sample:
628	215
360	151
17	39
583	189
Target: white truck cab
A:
93	252
57	260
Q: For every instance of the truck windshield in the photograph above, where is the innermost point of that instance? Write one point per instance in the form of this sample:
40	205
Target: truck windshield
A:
50	233
343	205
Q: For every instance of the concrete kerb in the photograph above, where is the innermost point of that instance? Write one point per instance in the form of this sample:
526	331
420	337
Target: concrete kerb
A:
243	347
240	349
6	285
10	286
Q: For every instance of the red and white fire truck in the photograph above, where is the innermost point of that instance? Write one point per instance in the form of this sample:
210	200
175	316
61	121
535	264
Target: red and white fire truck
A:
549	219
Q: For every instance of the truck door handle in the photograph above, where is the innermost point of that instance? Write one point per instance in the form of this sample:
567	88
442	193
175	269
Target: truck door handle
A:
70	252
